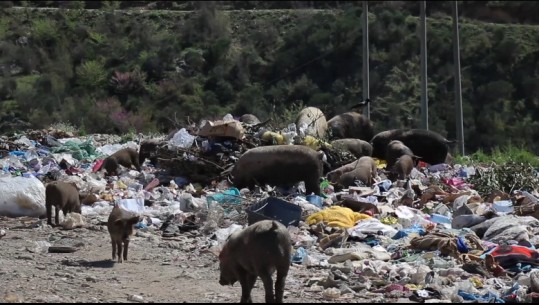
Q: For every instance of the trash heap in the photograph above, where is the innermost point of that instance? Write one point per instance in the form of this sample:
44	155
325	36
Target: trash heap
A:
441	236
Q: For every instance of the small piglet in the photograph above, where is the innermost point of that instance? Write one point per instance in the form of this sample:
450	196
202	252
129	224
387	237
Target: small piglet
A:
257	251
403	167
120	226
63	196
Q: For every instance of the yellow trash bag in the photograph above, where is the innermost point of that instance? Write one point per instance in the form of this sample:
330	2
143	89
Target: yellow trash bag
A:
315	143
273	137
381	164
337	216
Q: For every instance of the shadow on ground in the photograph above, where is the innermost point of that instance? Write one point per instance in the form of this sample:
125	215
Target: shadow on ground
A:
105	263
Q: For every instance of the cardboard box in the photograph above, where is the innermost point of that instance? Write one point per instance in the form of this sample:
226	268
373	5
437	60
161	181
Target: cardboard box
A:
232	129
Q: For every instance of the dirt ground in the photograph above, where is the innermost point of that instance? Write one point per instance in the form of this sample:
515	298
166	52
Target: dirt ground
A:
157	270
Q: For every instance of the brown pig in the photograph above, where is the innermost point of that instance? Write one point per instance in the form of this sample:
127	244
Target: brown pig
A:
357	147
249	119
364	171
63	196
351	124
120	226
148	150
257	251
334	175
126	157
403	167
394	150
279	165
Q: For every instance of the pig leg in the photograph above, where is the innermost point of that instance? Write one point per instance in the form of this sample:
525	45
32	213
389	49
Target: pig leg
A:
136	164
113	249
312	187
247	282
279	285
65	211
57	215
126	245
119	246
268	285
49	214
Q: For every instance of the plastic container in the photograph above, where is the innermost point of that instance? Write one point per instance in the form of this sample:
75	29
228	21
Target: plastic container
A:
273	208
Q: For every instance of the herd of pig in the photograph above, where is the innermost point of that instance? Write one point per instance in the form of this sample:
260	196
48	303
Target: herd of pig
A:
264	248
351	131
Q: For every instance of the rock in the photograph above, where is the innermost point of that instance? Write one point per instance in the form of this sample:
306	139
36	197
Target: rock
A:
153	239
2	233
136	298
331	293
142	234
91	279
12	298
64	275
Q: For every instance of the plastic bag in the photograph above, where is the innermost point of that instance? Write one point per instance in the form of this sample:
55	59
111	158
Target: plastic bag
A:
182	139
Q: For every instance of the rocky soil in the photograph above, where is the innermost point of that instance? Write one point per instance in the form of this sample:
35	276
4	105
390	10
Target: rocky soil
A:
158	269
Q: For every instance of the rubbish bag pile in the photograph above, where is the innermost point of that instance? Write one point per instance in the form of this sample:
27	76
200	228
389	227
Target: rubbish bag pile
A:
430	237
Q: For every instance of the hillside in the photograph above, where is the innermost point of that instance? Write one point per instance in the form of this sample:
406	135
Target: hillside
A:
115	71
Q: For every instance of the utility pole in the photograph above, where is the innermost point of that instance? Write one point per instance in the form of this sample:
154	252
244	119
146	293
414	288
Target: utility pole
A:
423	46
458	91
365	88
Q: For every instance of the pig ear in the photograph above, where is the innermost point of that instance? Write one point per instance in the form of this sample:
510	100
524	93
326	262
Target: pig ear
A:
118	222
75	185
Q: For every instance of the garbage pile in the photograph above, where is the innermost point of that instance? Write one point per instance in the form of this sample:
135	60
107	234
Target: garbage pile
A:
430	238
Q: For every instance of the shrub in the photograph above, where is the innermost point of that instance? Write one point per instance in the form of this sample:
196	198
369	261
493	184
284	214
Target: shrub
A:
91	74
506	177
44	30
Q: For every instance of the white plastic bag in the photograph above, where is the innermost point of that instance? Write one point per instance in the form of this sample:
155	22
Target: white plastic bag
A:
135	205
20	196
182	139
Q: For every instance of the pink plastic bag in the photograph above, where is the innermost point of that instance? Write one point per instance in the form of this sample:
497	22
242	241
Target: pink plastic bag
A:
456	182
97	166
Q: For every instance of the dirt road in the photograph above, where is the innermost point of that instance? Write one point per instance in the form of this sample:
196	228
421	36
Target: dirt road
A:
158	270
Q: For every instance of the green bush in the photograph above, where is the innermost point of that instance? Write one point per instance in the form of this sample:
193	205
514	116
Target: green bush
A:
91	74
44	30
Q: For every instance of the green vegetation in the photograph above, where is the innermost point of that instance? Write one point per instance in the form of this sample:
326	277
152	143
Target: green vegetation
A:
507	177
507	169
498	155
130	70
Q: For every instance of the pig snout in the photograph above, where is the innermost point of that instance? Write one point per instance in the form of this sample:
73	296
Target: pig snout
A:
224	280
